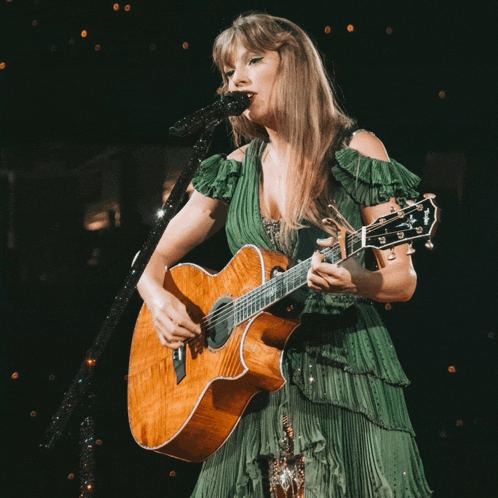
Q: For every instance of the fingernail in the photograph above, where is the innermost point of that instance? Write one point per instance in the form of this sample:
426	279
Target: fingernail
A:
321	240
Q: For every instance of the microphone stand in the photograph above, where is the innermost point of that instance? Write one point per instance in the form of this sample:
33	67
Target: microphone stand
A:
78	391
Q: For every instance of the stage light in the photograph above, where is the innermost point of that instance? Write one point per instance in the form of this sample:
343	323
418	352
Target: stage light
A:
3	65
127	8
116	7
84	33
442	94
70	476
33	414
172	473
97	47
35	23
52	377
328	30
459	423
389	31
15	375
452	369
185	46
350	28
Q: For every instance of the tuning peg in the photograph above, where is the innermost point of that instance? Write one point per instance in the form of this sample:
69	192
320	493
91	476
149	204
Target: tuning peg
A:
392	254
411	250
429	245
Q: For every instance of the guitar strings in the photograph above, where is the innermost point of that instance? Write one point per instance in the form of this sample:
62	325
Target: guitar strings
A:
253	297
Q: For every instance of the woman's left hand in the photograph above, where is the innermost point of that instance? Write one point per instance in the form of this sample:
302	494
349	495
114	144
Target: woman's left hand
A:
327	277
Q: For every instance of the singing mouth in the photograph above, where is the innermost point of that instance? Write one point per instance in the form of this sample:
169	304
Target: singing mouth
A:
251	96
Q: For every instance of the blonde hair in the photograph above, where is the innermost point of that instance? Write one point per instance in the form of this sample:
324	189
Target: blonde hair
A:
307	112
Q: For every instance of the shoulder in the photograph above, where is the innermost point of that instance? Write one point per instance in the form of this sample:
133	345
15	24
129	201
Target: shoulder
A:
238	154
368	145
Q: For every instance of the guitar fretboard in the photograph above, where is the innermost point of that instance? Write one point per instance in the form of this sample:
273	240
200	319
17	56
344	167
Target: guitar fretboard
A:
289	281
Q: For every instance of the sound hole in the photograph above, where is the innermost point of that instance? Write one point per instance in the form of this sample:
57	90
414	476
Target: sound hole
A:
220	323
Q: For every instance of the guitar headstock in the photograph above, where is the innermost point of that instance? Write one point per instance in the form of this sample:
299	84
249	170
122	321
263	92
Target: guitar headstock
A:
417	221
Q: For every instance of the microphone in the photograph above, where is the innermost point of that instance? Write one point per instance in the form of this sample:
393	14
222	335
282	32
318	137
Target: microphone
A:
231	104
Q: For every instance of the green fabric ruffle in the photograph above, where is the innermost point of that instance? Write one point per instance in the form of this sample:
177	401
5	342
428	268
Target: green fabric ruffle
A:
346	454
372	181
217	177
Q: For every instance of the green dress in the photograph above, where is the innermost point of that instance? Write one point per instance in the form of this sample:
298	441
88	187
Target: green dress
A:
344	396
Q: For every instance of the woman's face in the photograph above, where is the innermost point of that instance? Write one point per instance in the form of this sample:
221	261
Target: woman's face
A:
257	74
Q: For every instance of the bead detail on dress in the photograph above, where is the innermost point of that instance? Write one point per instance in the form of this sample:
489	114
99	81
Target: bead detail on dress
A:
287	469
272	228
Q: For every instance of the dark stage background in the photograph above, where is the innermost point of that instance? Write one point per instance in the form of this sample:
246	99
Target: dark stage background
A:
85	158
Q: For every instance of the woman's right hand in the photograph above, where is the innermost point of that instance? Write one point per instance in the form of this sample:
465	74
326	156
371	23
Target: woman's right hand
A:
171	320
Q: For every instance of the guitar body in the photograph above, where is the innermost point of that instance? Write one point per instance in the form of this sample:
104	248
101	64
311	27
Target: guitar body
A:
187	409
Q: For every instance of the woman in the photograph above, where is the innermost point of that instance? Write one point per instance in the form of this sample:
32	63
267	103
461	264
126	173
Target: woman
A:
339	426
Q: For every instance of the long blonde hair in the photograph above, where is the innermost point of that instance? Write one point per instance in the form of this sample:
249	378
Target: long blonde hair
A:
308	115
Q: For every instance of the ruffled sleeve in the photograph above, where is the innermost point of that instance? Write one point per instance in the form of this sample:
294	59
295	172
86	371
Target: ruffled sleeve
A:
217	177
372	181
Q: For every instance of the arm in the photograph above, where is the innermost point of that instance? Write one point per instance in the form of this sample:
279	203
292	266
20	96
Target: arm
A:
395	280
194	223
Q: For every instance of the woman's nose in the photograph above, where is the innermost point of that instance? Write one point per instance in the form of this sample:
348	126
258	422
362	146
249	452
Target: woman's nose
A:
239	77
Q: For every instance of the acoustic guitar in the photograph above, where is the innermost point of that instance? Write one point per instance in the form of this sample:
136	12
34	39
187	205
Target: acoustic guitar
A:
185	403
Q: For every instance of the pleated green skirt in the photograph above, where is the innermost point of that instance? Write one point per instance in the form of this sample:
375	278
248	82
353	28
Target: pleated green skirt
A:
344	398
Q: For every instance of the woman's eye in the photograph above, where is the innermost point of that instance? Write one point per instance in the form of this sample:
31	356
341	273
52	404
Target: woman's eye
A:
229	74
255	60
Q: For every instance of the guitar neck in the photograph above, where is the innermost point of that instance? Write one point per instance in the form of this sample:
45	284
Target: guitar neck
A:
416	221
285	283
